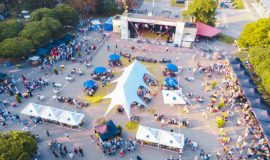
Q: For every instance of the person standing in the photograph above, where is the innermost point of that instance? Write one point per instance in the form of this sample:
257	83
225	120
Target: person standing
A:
75	150
71	155
81	151
67	135
65	149
47	133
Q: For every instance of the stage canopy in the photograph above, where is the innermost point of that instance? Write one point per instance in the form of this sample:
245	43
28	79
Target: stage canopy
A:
160	137
108	25
125	92
173	97
114	57
206	30
172	67
53	114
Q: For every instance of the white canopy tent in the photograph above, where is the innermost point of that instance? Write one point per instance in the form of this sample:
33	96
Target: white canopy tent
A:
53	114
32	110
147	134
173	97
171	139
125	92
160	137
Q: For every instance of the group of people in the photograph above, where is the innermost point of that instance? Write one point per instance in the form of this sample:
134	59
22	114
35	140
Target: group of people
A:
109	147
144	94
6	115
58	149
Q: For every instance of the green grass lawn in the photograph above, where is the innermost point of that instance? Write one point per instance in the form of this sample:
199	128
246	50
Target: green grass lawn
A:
226	39
173	3
239	4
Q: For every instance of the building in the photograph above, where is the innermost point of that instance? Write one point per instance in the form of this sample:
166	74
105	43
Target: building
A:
147	26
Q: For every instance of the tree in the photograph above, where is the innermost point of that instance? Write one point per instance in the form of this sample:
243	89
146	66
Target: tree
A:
255	34
266	80
10	29
83	6
202	10
66	14
40	13
53	25
106	7
258	54
38	33
17	145
15	47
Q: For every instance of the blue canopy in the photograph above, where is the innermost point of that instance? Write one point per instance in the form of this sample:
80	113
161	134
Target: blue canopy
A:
110	130
235	61
59	42
108	26
114	57
89	84
99	70
171	82
172	67
42	51
67	38
246	83
50	46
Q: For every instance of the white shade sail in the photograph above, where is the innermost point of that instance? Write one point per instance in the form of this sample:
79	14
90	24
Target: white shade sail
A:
173	97
160	137
53	114
125	92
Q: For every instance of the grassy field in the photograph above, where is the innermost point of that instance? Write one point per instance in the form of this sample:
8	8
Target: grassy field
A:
226	39
239	4
173	3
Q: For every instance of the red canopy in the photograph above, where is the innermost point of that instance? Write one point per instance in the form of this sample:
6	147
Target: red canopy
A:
206	30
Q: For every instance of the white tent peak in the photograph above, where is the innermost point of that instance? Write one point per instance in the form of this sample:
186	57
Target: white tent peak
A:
125	92
173	97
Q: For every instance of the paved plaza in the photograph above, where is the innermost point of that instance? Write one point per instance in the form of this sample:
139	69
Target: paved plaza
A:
203	131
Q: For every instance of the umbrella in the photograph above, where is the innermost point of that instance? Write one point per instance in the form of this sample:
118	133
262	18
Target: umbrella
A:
114	57
172	67
171	82
99	70
89	84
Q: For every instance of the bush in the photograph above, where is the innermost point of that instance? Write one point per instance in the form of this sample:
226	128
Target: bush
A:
66	14
41	13
221	104
37	32
120	129
220	122
15	47
132	125
214	84
10	29
17	145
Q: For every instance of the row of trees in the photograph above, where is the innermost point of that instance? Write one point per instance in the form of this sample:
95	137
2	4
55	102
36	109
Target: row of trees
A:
45	24
99	6
17	145
256	38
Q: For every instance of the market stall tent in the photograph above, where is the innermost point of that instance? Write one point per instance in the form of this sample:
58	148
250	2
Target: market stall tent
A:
147	134
53	114
125	92
107	130
173	97
108	25
161	137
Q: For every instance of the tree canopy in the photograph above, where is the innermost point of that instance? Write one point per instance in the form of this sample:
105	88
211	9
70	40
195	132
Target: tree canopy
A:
66	14
255	34
15	47
106	7
260	60
40	13
10	29
17	145
53	25
202	10
37	32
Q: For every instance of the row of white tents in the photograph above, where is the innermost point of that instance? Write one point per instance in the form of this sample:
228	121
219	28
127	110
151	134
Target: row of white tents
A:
160	137
53	114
